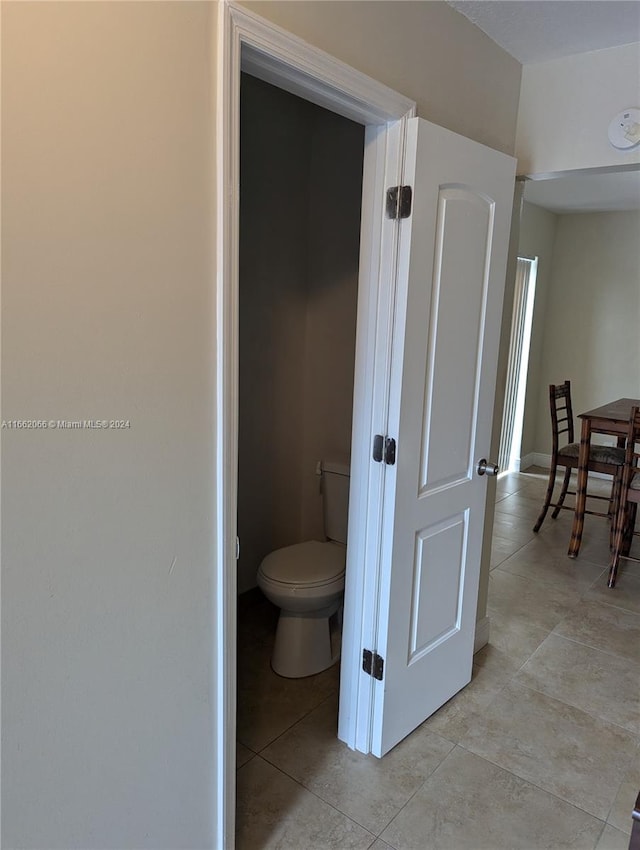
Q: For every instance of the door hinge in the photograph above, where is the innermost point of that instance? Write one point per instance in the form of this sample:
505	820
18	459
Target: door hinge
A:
237	548
390	451
373	664
384	449
399	202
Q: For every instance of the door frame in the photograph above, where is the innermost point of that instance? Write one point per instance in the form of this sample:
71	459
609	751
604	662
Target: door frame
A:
248	42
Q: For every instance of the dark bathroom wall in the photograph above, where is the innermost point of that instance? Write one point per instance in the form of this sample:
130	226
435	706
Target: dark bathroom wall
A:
301	179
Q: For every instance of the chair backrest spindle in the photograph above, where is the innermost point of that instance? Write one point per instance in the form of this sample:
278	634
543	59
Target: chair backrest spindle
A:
561	413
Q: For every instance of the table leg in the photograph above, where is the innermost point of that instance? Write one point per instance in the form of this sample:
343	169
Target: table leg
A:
581	489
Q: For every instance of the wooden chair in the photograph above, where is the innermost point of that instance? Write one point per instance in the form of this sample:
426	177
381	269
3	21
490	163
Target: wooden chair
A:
603	459
629	498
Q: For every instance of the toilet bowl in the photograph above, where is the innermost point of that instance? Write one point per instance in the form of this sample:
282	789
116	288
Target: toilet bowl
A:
306	581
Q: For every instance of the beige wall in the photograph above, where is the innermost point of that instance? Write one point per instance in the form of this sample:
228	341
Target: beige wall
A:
108	253
332	297
566	106
106	535
301	185
537	239
458	77
593	295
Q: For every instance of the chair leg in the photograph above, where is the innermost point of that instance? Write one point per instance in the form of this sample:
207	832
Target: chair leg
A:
613	570
631	525
548	495
628	532
563	493
620	523
614	503
624	528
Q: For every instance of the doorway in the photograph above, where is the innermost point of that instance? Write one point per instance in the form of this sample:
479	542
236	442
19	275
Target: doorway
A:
247	42
300	208
518	364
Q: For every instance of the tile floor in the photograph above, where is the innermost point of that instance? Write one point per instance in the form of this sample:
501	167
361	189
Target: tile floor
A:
540	750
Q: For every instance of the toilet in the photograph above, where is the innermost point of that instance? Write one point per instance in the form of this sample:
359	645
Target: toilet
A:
306	581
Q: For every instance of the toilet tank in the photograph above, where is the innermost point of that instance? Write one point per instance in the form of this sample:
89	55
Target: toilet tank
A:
335	479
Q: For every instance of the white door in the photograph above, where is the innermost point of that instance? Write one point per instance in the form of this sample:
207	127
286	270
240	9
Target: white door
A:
452	261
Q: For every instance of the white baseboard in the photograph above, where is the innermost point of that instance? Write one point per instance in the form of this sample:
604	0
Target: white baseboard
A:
543	460
482	634
535	459
532	460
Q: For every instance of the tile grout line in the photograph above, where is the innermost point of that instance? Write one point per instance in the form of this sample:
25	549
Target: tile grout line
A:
635	735
620	784
317	796
591	646
533	784
419	788
294	724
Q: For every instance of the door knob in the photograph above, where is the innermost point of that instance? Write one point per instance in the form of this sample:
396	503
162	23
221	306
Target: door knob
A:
486	468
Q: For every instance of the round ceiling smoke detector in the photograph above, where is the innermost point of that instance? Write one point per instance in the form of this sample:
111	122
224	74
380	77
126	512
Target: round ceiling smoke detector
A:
624	130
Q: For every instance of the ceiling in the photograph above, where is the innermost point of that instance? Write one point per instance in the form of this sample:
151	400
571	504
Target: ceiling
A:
539	30
619	190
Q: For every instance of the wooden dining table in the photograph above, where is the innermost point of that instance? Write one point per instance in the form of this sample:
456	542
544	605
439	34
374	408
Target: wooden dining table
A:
613	419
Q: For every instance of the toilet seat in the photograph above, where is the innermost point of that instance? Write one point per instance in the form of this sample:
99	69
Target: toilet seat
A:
311	564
